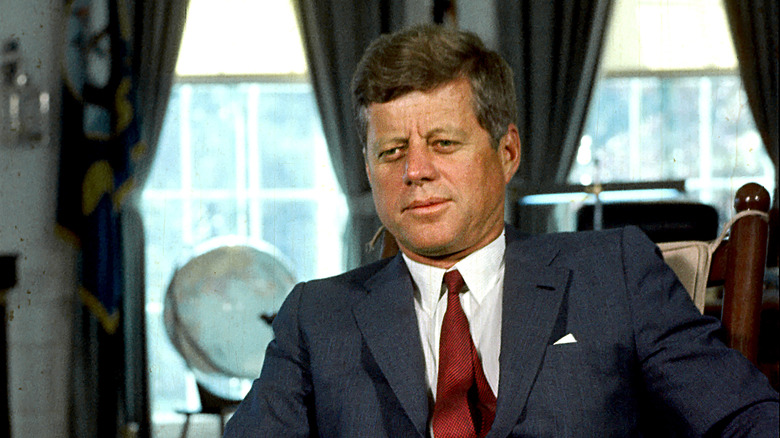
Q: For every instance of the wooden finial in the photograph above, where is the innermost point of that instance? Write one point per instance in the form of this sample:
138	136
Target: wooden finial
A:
751	196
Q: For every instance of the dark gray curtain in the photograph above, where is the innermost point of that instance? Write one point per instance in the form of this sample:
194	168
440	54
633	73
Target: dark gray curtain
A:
158	27
554	49
754	28
335	34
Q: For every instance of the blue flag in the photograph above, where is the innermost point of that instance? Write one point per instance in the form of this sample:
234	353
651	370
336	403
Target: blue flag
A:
99	142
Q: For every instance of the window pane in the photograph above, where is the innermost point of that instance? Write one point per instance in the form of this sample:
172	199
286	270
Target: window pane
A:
734	136
285	135
213	218
214	125
667	128
291	226
166	172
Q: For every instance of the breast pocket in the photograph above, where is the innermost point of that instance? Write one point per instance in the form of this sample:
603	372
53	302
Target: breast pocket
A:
562	370
578	389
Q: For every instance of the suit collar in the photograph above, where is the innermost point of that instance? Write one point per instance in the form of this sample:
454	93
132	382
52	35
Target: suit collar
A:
388	323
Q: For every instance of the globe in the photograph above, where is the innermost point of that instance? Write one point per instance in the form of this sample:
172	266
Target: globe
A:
218	309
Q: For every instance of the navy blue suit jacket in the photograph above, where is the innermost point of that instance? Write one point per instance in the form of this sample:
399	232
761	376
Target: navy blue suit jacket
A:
347	358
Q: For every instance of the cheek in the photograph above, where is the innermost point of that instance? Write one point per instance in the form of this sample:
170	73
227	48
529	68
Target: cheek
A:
382	189
487	184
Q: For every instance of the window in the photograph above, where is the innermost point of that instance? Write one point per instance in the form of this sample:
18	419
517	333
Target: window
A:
241	153
671	106
695	129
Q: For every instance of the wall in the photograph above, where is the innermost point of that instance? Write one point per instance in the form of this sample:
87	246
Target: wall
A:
39	307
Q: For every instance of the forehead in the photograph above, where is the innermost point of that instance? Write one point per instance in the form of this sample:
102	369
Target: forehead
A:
448	104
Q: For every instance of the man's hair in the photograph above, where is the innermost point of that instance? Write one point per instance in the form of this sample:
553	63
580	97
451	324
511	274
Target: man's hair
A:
424	57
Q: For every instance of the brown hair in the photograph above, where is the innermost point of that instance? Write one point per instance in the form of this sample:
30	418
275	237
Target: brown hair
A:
424	57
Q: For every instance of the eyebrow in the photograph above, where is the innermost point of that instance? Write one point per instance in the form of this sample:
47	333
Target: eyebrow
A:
445	130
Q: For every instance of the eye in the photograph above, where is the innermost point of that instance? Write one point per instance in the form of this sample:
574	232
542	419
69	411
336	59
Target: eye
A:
444	144
390	153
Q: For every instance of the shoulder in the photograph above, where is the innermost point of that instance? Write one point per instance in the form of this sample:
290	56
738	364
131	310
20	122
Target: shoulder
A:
352	279
335	292
582	246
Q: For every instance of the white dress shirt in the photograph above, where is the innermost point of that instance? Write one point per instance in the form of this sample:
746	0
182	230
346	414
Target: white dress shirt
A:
483	272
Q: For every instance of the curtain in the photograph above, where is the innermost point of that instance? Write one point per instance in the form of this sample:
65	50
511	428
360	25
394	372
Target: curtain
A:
335	34
118	70
158	27
554	49
754	28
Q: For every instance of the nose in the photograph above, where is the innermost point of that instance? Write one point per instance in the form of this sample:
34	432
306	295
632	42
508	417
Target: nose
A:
419	164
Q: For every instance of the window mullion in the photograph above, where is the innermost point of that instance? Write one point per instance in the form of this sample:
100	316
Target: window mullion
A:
186	163
255	169
705	137
239	125
634	129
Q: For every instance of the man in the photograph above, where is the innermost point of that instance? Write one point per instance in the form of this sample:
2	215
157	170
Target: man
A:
580	334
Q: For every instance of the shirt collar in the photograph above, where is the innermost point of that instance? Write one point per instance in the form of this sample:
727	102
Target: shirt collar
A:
481	270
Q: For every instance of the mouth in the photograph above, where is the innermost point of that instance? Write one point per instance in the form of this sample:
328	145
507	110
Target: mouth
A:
425	205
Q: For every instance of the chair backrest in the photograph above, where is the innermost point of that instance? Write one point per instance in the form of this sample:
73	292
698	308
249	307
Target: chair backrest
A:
736	260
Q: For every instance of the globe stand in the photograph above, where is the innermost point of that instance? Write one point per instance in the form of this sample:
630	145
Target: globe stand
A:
210	404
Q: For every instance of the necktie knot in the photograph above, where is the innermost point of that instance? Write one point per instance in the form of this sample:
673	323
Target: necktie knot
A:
454	282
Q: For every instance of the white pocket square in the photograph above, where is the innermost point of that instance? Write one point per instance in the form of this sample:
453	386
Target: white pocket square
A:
568	339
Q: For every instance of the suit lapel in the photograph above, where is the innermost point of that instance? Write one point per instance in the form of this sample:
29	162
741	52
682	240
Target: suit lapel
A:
533	293
388	323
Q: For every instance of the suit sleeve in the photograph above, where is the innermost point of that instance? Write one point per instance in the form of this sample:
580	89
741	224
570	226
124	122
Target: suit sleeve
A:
280	400
705	387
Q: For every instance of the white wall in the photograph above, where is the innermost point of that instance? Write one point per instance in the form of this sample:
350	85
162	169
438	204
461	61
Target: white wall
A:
39	308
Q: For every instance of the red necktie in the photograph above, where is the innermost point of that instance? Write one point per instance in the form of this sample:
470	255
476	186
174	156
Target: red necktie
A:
465	404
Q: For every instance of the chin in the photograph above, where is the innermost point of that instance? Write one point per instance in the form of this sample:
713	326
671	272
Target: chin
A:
437	247
427	239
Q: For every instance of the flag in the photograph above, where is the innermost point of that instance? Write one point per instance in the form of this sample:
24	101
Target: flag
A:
99	145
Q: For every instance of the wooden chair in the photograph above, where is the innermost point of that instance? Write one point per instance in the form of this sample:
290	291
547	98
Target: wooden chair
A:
389	246
736	261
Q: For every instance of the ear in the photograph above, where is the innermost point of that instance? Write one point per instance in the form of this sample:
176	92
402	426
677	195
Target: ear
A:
509	151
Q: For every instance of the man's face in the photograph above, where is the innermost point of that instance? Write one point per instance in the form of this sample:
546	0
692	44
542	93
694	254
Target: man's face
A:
437	182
